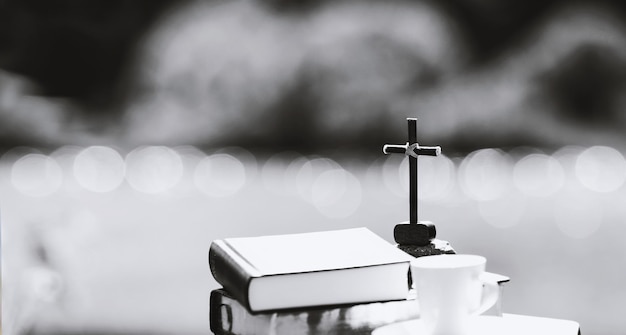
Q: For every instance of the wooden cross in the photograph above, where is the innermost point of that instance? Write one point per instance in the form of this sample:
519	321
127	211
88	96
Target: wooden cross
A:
415	232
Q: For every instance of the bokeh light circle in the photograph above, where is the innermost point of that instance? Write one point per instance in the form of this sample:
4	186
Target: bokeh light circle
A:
99	169
601	169
309	172
336	193
485	174
538	175
279	172
8	159
577	216
395	174
36	175
220	175
503	212
66	155
153	169
436	176
247	158
190	157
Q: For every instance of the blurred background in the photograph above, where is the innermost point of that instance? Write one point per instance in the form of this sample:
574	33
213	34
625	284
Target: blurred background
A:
133	133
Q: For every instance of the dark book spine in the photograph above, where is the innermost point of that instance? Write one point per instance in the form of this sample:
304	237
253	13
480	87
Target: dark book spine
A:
228	317
220	314
229	273
217	314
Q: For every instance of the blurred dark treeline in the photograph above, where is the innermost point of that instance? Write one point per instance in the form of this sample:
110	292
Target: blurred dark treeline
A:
83	51
75	49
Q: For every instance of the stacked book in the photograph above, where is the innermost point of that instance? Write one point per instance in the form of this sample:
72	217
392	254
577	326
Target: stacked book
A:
348	281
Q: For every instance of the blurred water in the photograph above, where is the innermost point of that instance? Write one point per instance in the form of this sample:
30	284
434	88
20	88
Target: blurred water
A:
85	257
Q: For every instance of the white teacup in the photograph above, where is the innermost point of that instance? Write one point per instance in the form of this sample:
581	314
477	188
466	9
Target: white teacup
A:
450	290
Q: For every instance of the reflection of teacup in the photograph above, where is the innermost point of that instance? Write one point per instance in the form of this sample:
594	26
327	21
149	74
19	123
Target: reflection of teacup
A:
450	290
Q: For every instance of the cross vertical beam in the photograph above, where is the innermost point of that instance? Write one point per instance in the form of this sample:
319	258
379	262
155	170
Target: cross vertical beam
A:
413	202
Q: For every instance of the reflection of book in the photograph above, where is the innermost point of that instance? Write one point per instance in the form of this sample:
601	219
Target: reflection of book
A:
312	269
229	317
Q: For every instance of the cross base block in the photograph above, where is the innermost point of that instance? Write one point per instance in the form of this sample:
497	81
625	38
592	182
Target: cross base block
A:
418	234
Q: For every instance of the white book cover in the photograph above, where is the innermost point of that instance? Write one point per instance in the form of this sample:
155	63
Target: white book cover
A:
311	269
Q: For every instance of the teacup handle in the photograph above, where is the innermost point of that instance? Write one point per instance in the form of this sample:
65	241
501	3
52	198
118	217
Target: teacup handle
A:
491	292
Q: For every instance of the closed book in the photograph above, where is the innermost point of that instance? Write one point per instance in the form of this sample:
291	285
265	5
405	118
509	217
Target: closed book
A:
228	317
347	266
